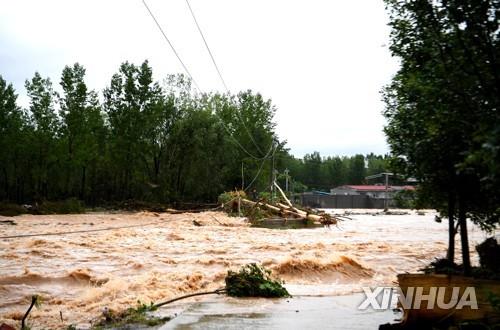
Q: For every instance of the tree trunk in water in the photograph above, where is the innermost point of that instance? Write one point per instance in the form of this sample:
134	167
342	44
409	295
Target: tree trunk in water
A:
6	183
82	183
462	219
451	229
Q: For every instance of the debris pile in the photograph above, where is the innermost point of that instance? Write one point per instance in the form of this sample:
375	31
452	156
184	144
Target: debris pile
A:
237	202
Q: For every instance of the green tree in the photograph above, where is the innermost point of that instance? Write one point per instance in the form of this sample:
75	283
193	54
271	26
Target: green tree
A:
45	126
82	131
129	103
442	105
337	171
376	164
357	170
12	136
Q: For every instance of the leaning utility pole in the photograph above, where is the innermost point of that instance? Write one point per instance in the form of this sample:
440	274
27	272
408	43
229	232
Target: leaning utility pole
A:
273	178
242	178
286	179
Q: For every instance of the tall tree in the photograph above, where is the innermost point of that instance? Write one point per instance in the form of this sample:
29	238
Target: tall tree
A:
442	104
82	130
45	126
357	170
12	135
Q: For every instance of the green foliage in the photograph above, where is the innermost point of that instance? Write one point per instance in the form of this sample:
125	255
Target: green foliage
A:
253	280
494	300
405	199
230	201
151	141
148	141
442	106
264	196
10	209
256	213
69	206
131	316
230	196
315	172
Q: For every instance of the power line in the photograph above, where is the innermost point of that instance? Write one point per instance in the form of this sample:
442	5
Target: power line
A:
170	44
81	231
236	141
261	165
206	45
219	73
197	86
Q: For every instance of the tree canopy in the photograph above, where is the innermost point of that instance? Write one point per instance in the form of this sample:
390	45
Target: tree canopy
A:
442	106
149	140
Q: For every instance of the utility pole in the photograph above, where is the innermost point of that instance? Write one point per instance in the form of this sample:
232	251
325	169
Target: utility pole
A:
242	178
286	179
386	191
386	177
273	176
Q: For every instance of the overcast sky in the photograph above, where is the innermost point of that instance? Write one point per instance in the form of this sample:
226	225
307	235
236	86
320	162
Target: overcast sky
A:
323	63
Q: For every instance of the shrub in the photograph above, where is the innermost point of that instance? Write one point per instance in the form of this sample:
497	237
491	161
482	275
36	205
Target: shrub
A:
228	196
10	209
254	281
71	205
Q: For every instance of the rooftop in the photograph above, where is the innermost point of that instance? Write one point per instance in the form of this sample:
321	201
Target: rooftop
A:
375	187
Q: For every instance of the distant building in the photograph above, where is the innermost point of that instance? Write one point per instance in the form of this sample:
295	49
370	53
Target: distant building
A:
352	197
373	191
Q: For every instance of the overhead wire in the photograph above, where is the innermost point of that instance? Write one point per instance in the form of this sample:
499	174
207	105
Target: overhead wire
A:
81	231
220	74
206	45
170	44
197	86
261	166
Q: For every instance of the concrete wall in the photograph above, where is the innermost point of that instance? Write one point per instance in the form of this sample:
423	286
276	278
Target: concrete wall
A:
342	201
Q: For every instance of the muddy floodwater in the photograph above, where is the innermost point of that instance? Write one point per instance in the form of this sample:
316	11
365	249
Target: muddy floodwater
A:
154	257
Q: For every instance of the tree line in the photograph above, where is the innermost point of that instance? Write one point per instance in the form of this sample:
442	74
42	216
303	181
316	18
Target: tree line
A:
323	173
145	140
149	140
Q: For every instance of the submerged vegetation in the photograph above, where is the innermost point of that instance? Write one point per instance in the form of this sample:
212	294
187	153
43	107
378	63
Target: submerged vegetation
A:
253	280
68	206
130	317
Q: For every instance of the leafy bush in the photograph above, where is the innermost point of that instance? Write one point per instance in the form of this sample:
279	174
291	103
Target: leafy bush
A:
228	196
131	316
405	199
265	196
10	209
254	281
71	205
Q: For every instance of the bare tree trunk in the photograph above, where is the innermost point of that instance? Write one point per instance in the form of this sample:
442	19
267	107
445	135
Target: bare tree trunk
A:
462	219
6	183
451	228
82	183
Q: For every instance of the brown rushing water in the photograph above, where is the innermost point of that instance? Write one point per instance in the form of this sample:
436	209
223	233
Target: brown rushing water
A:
165	255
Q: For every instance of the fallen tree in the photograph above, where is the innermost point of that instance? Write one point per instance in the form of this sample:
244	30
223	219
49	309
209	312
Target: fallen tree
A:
236	202
287	211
